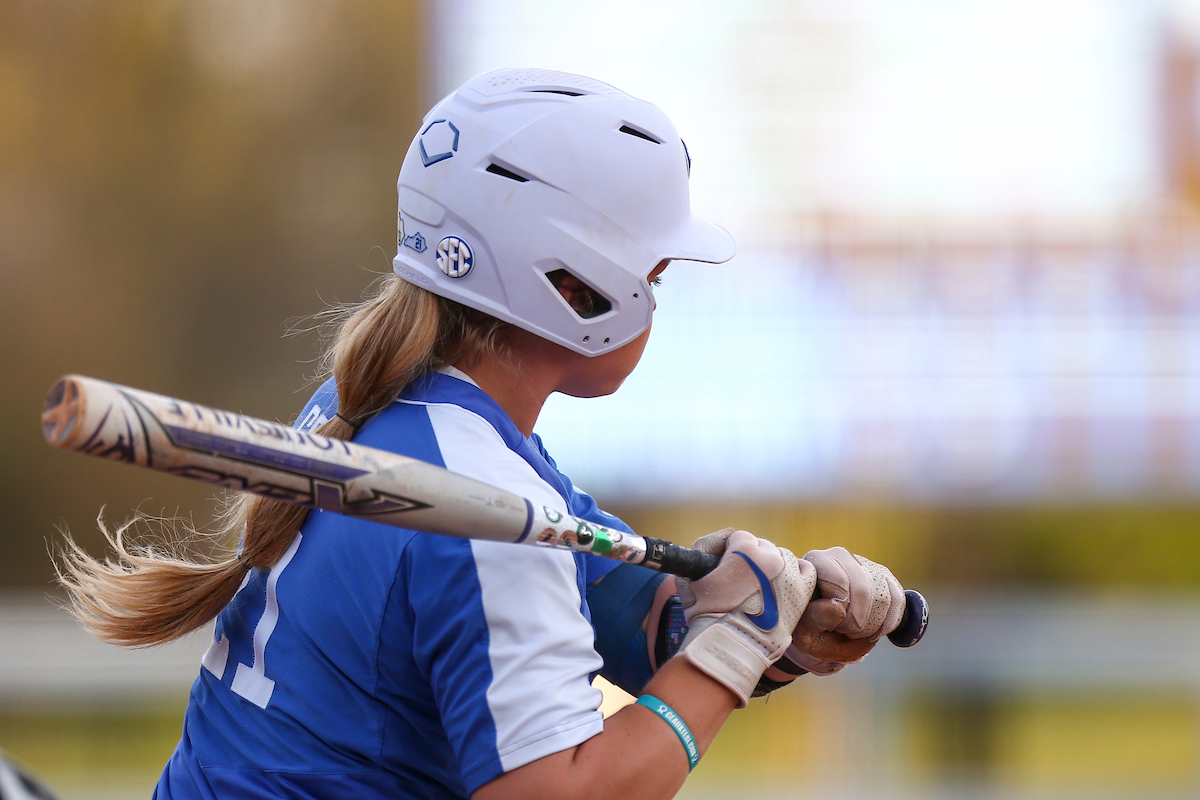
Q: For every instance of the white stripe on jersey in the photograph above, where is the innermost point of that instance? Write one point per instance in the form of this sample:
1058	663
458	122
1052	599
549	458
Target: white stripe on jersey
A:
540	645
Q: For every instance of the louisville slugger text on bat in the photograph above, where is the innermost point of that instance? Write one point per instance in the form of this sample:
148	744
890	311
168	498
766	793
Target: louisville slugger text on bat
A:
252	455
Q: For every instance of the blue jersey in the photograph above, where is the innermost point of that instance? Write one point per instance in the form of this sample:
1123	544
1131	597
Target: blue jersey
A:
373	661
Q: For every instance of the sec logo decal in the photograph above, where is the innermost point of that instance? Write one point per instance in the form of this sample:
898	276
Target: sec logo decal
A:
454	257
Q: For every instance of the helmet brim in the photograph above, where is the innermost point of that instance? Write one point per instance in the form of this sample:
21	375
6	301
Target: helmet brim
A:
703	241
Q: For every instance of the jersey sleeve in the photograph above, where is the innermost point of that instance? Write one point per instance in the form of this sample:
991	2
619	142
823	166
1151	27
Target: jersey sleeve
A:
512	674
619	595
500	636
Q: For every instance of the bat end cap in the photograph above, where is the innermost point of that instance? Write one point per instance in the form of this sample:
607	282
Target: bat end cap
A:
63	407
914	622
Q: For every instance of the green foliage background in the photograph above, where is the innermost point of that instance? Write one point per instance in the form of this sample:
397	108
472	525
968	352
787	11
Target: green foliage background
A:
178	181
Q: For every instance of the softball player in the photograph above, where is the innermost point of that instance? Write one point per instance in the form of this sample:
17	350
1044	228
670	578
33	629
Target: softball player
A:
537	210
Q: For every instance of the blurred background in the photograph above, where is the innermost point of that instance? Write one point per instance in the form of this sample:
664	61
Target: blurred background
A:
961	337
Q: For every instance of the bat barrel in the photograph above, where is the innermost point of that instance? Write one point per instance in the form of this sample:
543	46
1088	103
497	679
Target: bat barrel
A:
238	452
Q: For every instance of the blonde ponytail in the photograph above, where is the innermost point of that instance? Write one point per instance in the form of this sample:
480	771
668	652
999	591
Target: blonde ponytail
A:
147	595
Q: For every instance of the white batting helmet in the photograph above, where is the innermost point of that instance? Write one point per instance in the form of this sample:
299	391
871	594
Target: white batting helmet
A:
521	173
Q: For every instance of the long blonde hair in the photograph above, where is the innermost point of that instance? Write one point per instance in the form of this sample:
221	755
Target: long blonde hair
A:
149	594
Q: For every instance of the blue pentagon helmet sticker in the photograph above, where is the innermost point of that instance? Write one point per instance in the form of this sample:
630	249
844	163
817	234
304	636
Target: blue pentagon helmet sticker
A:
454	257
438	142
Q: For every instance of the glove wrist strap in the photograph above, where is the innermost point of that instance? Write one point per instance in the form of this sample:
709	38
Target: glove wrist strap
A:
726	656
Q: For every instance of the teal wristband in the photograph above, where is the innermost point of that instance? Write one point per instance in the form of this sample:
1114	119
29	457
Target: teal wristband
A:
677	724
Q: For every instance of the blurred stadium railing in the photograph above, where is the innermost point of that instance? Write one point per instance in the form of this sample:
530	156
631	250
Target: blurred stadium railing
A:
1009	696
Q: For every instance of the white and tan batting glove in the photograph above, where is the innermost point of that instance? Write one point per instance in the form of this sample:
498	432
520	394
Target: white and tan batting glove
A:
858	602
742	614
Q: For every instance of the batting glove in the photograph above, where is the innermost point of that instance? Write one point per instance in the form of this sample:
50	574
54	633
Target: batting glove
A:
742	614
858	602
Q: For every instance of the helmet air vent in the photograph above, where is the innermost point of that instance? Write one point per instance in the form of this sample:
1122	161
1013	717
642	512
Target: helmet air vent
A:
511	81
496	169
632	131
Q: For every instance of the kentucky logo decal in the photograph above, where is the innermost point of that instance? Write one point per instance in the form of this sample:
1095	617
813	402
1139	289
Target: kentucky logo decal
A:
438	142
416	242
454	257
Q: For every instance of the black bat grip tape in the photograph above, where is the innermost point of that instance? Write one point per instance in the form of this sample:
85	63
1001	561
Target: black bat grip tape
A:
694	565
678	560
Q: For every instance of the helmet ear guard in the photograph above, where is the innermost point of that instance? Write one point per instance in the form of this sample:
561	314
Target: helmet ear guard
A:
546	199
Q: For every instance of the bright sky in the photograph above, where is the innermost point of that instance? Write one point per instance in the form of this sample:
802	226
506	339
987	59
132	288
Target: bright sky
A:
928	107
767	377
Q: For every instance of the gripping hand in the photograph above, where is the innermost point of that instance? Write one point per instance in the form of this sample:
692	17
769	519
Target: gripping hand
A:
857	597
742	614
858	602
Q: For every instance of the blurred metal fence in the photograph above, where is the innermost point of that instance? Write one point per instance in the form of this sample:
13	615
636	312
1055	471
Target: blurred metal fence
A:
47	659
1009	696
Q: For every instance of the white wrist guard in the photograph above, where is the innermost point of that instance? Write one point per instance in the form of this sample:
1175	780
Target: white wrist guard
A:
726	655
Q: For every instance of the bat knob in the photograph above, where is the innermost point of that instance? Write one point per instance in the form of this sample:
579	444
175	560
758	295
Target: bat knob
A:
914	622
